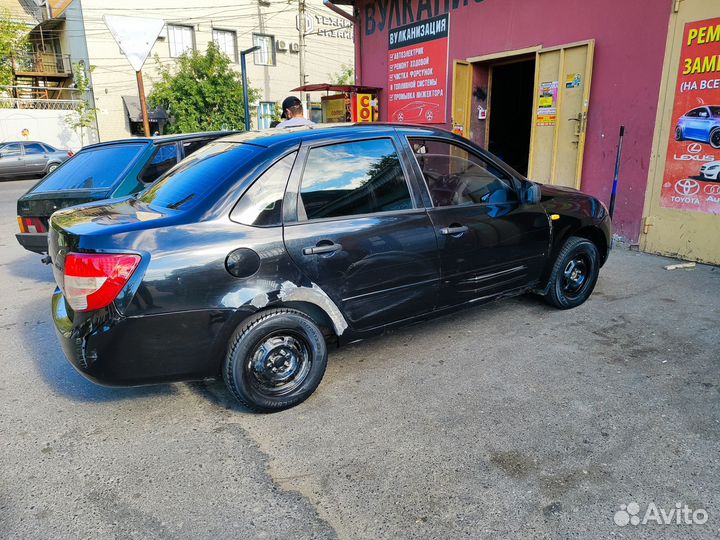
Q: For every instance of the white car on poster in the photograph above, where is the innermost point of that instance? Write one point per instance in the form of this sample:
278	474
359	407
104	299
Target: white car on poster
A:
711	171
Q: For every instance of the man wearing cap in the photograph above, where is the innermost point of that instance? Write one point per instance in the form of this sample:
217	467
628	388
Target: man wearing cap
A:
293	113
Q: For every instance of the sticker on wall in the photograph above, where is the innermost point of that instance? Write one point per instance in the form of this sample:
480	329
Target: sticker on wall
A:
573	80
417	72
692	165
547	103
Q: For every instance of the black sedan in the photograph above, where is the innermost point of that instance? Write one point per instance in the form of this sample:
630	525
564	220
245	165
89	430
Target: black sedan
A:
252	255
101	171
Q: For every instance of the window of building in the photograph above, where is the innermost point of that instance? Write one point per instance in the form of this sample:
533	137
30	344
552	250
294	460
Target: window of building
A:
353	178
261	205
266	109
181	39
456	177
265	56
226	40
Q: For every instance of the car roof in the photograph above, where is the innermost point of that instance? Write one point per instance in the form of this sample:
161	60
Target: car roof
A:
162	138
26	142
317	132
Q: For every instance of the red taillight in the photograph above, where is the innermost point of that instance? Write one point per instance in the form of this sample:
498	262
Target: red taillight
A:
31	225
71	153
94	280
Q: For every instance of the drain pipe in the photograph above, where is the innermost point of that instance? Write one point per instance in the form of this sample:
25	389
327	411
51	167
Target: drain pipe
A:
356	30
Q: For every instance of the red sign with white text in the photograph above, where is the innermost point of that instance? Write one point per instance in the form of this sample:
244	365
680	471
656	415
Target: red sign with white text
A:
417	72
692	167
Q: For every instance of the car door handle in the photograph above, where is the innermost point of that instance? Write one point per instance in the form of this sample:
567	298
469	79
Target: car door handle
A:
319	250
454	230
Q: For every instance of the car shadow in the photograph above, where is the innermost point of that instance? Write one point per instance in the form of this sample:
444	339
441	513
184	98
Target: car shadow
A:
36	329
28	266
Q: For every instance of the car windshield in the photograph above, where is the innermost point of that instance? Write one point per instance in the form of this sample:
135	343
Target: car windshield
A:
715	110
95	168
193	178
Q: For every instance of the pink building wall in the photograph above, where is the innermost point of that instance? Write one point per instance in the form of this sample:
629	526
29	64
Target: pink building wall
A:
629	49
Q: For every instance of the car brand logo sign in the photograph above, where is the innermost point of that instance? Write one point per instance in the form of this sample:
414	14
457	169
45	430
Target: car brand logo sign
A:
712	189
694	148
687	187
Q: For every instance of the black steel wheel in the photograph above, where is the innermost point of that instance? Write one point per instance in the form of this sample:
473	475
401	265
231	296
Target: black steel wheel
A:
574	273
275	360
715	138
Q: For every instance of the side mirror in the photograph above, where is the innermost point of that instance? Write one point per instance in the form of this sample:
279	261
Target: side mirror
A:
531	193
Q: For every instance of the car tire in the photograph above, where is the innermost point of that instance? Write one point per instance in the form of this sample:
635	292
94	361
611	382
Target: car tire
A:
714	138
679	134
574	273
51	168
276	359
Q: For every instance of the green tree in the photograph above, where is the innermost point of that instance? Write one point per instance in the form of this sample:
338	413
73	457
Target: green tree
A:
345	76
201	93
84	115
13	40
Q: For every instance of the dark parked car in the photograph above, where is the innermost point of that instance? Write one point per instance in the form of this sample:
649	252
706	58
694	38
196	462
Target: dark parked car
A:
251	255
101	171
29	158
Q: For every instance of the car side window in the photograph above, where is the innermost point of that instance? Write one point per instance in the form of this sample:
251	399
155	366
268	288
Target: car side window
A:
349	179
163	160
34	148
702	113
457	177
261	204
191	146
10	150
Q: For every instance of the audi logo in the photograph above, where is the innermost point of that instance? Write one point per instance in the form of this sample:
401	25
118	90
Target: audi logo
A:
694	148
687	187
712	189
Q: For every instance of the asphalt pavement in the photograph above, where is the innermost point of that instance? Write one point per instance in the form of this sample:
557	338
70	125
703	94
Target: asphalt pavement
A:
511	420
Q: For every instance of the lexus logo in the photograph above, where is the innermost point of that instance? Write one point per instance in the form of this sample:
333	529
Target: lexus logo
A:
687	187
694	148
712	189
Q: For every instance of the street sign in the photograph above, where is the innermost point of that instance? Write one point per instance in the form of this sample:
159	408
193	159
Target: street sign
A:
135	36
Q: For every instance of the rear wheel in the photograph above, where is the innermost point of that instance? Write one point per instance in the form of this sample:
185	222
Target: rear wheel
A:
574	273
678	134
275	360
51	168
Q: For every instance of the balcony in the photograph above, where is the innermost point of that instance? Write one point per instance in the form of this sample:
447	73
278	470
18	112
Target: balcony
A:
42	64
37	97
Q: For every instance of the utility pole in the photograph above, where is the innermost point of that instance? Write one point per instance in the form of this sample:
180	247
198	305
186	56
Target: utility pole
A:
301	41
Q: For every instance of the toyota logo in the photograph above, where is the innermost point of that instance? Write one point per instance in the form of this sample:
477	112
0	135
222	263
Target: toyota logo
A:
694	148
712	189
687	187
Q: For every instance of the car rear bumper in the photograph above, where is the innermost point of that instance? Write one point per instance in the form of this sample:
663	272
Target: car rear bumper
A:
35	242
133	351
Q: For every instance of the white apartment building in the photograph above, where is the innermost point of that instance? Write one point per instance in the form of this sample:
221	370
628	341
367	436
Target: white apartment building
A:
76	28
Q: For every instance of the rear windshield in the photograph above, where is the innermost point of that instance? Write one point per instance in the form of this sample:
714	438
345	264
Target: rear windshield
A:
95	168
194	177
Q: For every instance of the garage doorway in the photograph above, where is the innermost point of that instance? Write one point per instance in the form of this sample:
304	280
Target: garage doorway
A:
510	106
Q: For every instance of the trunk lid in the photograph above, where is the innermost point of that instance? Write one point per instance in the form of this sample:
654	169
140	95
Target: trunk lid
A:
90	227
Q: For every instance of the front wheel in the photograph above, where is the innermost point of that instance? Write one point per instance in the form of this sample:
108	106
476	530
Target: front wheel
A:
275	360
574	273
715	138
679	134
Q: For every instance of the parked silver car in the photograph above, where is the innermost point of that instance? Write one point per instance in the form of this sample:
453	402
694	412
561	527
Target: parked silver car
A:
29	158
